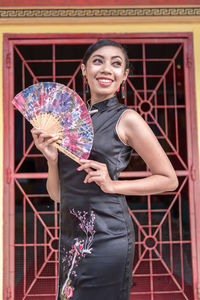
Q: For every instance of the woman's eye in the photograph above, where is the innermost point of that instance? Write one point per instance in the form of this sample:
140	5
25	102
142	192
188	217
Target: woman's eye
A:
97	60
117	63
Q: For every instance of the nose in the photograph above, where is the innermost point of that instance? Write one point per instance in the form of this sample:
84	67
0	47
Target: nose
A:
106	68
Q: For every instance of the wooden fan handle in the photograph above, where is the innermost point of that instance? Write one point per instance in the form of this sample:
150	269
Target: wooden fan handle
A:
69	154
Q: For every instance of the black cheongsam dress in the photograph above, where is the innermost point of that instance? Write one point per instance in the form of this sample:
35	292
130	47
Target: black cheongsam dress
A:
97	236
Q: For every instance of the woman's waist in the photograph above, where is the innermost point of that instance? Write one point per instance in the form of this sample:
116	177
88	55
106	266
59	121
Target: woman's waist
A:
93	197
108	214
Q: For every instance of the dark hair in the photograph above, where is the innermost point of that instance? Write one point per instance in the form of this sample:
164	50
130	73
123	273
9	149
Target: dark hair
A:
101	43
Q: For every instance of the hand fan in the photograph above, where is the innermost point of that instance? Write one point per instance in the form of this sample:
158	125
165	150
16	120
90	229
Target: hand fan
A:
56	109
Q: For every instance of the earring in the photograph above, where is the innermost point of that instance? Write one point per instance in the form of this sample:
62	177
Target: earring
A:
122	89
86	89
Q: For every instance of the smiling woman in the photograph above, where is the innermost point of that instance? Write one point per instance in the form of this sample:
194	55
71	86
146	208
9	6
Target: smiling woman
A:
105	72
105	69
97	235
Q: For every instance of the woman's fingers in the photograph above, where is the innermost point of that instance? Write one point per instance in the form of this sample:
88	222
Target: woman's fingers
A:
90	164
93	179
45	143
42	138
49	141
98	173
36	131
91	175
88	170
52	140
39	132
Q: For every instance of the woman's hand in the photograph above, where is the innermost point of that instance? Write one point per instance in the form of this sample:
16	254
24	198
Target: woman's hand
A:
44	143
98	173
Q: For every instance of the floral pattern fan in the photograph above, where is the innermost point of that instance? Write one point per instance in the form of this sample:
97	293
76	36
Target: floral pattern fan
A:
56	109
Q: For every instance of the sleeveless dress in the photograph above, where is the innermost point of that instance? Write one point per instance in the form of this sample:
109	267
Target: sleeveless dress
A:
97	236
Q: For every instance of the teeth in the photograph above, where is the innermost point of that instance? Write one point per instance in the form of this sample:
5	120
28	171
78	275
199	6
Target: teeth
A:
105	80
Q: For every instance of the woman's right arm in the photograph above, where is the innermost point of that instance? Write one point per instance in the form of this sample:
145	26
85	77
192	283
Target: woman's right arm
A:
44	143
53	182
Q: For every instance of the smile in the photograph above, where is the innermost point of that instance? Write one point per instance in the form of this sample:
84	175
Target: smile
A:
104	81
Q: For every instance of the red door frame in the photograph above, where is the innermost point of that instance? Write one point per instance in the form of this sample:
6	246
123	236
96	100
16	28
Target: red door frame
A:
9	41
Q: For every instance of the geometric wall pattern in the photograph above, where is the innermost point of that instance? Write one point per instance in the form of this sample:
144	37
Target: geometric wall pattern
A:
156	88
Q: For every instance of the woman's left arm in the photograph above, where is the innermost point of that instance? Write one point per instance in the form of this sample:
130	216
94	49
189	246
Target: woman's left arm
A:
135	132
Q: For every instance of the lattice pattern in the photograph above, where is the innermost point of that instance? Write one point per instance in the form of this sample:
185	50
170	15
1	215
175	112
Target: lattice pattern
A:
162	267
163	235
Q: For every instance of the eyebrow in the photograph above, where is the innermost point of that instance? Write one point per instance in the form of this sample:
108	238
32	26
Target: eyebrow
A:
113	57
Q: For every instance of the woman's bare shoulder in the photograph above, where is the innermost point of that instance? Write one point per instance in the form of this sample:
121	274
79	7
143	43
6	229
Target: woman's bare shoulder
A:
132	118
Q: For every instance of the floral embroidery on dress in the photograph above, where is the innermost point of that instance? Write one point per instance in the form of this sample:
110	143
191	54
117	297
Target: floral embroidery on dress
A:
79	249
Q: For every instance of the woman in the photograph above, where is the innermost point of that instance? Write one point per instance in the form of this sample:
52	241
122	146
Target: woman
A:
97	236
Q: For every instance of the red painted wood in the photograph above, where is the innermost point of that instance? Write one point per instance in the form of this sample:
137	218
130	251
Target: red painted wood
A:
161	285
88	38
8	165
69	3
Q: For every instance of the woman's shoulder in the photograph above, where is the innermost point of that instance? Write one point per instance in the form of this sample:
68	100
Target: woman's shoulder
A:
130	116
130	124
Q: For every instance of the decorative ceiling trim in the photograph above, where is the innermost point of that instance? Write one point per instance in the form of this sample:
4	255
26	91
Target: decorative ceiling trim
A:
113	12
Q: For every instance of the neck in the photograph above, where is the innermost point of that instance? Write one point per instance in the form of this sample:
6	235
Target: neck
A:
99	99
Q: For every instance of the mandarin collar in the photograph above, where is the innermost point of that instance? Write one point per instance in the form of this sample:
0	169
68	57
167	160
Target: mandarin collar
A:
102	105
